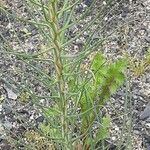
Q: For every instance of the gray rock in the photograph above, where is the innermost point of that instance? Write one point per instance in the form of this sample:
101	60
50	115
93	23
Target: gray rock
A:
40	119
148	119
11	94
7	125
88	2
148	148
0	107
146	113
7	109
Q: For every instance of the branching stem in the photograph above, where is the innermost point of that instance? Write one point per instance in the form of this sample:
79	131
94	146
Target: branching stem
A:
56	44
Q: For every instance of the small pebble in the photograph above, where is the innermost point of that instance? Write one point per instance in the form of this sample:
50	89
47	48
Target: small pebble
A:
104	3
117	128
113	138
40	119
11	94
146	113
147	125
0	107
88	2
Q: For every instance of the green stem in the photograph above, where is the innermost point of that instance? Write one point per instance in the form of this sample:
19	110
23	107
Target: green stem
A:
56	43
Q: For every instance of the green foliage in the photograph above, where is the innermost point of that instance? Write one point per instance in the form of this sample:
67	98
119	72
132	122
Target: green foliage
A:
52	111
50	131
103	131
108	77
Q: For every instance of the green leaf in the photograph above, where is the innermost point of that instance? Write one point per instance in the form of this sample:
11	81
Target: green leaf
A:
99	67
120	65
52	111
50	131
98	61
148	57
103	131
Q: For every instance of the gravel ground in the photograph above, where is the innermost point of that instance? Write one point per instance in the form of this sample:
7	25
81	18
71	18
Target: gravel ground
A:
17	112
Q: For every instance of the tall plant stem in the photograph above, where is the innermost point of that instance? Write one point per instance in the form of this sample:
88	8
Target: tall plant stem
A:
56	44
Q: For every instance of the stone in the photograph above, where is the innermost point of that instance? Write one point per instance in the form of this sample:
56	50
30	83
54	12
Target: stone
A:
88	2
6	109
40	119
146	113
11	94
7	125
148	148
